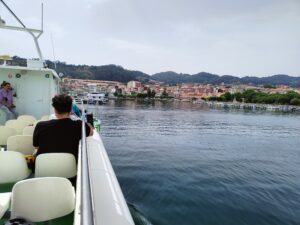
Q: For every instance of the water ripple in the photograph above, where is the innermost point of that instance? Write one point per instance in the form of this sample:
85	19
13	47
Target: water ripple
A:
182	164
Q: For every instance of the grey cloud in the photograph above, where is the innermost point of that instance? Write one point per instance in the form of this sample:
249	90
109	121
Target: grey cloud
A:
238	37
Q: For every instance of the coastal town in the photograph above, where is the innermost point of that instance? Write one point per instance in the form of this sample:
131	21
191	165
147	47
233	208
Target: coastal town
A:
184	92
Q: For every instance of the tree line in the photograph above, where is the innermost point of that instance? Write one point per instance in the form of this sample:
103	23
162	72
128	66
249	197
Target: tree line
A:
252	96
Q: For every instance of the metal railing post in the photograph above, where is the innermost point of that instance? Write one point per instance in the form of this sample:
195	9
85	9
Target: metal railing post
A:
87	217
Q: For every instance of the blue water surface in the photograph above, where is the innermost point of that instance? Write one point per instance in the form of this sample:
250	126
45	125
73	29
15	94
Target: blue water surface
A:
184	164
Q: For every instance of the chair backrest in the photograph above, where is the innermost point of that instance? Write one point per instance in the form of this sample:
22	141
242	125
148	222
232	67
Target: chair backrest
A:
55	165
28	130
18	125
42	199
29	120
20	143
36	122
13	167
6	132
4	203
43	118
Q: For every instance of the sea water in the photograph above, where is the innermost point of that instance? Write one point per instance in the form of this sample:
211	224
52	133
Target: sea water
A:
185	164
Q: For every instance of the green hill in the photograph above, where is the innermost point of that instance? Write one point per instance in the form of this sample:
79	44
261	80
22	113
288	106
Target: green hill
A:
208	78
118	73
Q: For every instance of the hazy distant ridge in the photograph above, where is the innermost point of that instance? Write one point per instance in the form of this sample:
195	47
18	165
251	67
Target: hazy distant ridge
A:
118	73
208	78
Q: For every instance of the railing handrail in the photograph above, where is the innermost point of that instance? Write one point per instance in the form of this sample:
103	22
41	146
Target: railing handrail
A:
87	217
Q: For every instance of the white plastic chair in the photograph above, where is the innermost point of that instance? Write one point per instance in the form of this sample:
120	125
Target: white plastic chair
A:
55	165
43	118
28	130
20	143
36	122
5	133
42	199
18	125
13	167
4	203
29	120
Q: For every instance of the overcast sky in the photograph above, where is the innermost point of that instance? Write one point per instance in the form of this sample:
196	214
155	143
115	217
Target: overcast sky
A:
236	37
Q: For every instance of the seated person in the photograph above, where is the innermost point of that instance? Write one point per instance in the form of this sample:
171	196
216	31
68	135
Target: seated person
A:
61	134
75	110
6	101
75	113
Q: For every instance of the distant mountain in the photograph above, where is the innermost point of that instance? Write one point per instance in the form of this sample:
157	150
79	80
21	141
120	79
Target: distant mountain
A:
171	77
279	79
107	72
208	78
118	73
203	78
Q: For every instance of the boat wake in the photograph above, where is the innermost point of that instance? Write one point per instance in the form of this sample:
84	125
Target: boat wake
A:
138	217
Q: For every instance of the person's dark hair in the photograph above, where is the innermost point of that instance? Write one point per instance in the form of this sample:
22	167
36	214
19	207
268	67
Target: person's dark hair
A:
62	103
4	83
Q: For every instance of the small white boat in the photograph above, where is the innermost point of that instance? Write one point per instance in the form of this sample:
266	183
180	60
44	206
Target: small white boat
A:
96	98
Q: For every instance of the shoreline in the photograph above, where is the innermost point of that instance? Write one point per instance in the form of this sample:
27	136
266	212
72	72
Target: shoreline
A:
226	105
218	105
255	106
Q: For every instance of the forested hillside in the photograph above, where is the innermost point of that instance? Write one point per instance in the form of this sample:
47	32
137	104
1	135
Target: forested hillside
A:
118	73
208	78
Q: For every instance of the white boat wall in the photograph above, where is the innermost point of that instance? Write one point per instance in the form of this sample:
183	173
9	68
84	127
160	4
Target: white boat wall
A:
34	88
108	203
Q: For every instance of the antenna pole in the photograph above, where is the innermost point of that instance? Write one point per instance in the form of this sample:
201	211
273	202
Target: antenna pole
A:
42	16
13	14
42	22
53	51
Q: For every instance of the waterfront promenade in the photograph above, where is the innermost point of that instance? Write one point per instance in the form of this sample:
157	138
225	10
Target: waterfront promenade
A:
230	105
253	106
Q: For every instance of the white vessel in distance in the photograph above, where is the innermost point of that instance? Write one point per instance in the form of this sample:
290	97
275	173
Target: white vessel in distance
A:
95	98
